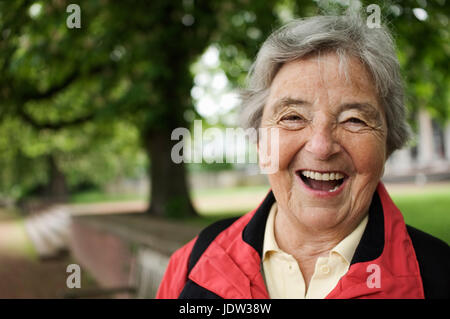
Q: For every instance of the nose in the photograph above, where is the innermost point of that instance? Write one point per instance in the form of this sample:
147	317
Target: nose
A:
322	143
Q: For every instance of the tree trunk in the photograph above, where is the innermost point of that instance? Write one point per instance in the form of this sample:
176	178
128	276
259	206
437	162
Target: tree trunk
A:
169	191
56	189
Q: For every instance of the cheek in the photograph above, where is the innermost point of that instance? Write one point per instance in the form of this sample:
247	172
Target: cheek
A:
290	144
278	149
287	146
368	154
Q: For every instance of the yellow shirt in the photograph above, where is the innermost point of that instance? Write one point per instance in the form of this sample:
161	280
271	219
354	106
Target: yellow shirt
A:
283	276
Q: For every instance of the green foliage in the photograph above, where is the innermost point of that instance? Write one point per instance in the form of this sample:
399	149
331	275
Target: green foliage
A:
93	153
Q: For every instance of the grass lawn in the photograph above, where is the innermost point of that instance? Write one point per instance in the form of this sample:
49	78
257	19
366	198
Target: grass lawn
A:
90	197
428	210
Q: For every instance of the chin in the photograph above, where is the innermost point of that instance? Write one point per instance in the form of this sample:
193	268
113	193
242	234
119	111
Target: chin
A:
319	218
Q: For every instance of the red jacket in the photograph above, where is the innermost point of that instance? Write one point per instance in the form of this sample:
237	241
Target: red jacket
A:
229	263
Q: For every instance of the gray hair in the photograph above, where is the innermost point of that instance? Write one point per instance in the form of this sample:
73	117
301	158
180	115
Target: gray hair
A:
346	35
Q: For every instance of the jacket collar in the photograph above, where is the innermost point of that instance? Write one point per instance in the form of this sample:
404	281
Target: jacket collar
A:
253	233
371	244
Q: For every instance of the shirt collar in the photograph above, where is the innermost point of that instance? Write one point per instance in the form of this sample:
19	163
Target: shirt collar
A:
270	244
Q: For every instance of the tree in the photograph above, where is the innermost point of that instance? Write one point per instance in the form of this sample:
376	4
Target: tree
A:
129	60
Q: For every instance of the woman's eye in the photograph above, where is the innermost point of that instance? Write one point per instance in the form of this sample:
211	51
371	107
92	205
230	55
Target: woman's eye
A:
354	120
293	122
292	118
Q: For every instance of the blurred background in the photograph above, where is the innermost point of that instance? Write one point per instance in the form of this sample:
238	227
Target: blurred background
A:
87	106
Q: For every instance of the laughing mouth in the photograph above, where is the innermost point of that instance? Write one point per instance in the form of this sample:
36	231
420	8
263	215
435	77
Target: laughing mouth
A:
327	181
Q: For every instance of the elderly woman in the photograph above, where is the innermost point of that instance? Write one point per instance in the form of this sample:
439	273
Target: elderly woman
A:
331	87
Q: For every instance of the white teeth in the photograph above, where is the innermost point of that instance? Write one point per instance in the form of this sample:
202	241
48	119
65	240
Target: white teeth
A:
323	177
334	189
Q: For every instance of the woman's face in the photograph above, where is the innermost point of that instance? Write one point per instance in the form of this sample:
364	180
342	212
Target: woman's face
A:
332	140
